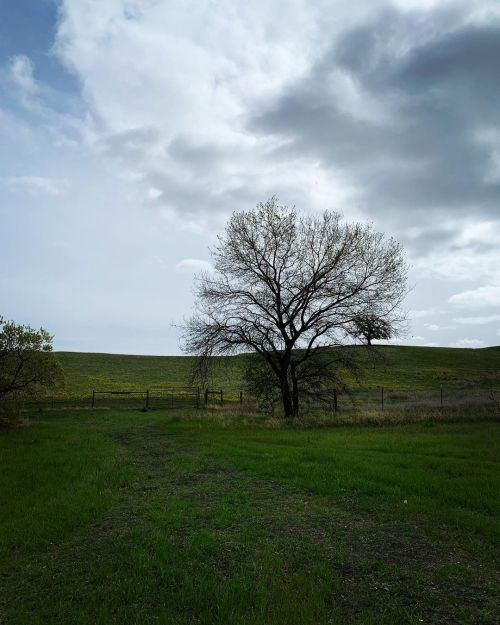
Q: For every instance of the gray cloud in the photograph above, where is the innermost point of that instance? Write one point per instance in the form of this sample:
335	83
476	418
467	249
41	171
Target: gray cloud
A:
128	145
419	133
203	157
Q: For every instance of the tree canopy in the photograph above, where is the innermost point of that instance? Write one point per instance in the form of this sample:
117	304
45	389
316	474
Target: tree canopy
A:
288	286
27	366
371	327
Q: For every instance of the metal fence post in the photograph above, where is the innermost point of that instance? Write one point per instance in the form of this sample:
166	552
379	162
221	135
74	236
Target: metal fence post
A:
335	403
382	395
441	396
93	399
147	399
206	396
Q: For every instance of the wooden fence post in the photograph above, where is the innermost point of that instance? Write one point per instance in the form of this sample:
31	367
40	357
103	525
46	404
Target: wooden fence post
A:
221	397
335	403
147	399
93	398
206	396
382	398
241	397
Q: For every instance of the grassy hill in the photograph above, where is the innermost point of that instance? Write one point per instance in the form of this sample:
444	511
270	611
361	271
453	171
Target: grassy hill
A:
85	372
403	368
427	368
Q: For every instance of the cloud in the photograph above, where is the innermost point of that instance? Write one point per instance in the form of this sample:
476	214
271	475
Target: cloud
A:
367	109
396	103
469	343
21	74
421	314
169	92
458	250
193	265
180	115
477	321
482	297
36	185
434	327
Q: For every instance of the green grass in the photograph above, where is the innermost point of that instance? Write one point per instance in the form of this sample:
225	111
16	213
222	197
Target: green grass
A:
426	368
85	372
138	518
403	368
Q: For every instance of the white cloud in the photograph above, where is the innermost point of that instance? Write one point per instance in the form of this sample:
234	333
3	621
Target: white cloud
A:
21	73
426	312
169	92
479	232
482	297
153	194
193	265
467	251
434	327
36	185
179	70
477	321
469	343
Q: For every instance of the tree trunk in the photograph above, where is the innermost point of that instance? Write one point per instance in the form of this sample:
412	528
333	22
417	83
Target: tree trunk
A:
295	392
286	396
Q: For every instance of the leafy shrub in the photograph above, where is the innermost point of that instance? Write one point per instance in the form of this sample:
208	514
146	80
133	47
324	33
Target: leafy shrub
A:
27	367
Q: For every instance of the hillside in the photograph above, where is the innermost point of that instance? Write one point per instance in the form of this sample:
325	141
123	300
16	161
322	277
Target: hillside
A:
85	372
401	367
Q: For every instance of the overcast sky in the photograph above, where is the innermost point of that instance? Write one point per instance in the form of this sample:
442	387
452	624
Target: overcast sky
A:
131	129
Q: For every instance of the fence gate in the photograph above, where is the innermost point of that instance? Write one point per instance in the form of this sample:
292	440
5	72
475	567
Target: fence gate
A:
174	397
120	399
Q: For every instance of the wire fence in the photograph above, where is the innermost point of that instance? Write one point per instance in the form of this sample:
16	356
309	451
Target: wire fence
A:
179	397
153	398
387	399
384	398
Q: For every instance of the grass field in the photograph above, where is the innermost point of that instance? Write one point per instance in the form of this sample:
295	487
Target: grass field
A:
138	518
403	368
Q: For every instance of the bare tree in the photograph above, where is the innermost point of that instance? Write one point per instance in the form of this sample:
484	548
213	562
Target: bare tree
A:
289	286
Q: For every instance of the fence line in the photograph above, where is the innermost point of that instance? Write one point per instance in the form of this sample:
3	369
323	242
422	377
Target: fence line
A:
381	398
